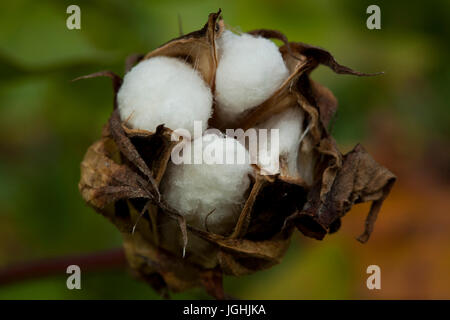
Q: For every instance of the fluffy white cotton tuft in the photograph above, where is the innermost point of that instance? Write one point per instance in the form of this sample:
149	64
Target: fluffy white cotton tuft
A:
164	90
250	70
197	189
290	125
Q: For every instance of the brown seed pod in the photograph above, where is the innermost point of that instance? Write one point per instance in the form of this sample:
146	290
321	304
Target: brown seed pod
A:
121	174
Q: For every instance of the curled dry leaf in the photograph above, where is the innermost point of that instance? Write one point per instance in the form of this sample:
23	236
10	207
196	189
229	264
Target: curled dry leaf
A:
121	174
358	179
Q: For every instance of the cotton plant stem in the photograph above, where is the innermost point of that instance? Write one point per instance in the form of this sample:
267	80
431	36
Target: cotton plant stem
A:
109	259
102	260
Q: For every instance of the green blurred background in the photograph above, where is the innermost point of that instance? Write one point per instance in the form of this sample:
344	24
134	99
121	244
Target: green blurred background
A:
402	118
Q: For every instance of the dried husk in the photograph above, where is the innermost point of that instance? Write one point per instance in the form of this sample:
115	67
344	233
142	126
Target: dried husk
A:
197	48
121	172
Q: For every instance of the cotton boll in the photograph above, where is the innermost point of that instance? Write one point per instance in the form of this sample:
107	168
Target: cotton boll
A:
290	126
250	70
210	196
164	90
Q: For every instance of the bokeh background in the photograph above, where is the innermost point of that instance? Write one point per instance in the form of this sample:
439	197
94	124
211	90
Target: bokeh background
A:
402	118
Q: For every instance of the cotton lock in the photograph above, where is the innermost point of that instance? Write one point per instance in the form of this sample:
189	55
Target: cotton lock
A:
290	126
250	70
209	195
164	90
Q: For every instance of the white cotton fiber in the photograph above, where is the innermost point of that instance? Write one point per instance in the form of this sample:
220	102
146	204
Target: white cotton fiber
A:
195	190
290	126
250	70
164	90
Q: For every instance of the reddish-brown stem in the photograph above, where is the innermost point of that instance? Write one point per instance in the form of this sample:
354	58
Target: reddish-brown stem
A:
114	258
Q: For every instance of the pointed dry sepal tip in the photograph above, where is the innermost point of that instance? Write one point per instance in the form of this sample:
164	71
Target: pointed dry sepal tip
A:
183	227
218	14
146	206
324	57
116	80
214	26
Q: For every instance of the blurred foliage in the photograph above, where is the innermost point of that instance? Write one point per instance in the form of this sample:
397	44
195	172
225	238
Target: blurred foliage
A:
47	123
